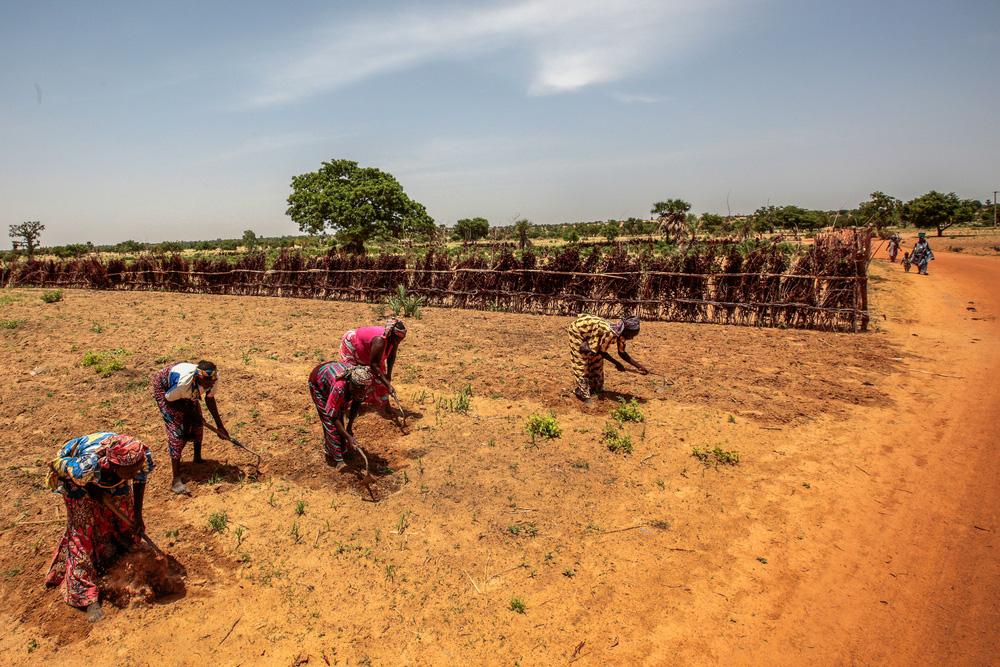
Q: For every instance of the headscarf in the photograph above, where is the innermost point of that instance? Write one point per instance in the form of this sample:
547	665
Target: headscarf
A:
626	324
210	375
360	376
123	450
396	326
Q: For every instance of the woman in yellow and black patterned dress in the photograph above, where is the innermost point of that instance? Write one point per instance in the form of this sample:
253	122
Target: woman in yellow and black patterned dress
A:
590	337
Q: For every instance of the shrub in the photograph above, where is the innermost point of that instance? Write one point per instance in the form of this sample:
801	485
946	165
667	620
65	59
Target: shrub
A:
407	305
517	605
543	426
104	363
627	411
616	440
52	296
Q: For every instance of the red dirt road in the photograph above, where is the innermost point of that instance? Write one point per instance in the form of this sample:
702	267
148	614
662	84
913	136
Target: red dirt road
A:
899	564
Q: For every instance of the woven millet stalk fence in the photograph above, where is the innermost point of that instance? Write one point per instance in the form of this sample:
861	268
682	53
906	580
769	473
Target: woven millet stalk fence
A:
825	286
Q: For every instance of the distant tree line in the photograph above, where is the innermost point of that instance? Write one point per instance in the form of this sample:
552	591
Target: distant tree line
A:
365	206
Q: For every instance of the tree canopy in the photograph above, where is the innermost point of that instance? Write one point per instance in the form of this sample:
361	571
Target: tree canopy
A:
358	203
250	239
769	218
880	210
672	215
27	234
936	209
472	229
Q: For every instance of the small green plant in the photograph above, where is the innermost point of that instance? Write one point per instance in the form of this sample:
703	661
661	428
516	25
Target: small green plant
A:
403	523
580	464
215	478
300	507
461	403
162	359
517	605
218	521
390	572
543	426
104	364
731	419
52	296
172	534
762	560
10	324
716	456
32	645
569	572
96	327
296	535
407	305
627	411
527	529
13	572
240	532
271	501
659	524
616	440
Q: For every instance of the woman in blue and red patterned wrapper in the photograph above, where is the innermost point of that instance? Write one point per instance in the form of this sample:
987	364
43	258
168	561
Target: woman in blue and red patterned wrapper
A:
337	391
178	390
90	472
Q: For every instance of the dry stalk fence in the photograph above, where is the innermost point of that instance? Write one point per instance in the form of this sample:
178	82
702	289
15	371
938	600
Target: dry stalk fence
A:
820	286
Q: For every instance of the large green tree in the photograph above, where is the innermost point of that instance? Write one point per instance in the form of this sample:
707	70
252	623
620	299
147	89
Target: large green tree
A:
358	203
471	229
880	210
939	210
27	234
250	239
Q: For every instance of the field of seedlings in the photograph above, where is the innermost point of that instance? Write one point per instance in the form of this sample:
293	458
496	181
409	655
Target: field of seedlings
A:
818	286
701	512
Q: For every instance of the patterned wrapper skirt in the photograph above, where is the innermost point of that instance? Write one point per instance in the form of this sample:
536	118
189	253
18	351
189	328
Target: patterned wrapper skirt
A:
183	418
94	537
332	445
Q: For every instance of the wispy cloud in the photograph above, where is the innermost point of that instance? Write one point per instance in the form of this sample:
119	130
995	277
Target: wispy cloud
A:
569	45
265	144
637	98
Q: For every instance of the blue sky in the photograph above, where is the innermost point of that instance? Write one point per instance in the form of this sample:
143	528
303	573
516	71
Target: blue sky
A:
185	120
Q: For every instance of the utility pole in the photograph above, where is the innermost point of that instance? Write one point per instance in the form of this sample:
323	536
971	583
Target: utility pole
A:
995	207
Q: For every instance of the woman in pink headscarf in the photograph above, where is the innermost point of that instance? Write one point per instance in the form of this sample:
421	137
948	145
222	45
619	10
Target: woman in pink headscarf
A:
376	348
93	472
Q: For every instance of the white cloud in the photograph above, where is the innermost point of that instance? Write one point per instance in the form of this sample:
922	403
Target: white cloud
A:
570	45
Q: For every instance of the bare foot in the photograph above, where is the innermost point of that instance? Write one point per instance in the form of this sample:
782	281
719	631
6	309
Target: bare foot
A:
336	464
180	488
94	612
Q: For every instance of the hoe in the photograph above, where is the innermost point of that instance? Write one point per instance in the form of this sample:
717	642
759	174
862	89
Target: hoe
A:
256	466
